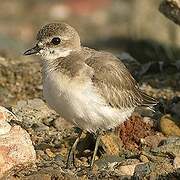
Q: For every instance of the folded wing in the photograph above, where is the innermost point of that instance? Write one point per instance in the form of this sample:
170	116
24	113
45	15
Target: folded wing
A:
115	83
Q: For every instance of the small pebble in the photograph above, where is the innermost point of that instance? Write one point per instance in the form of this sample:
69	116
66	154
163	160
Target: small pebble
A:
143	158
176	162
127	169
169	125
50	153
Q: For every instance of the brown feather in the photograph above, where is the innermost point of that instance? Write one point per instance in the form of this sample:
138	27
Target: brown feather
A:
115	83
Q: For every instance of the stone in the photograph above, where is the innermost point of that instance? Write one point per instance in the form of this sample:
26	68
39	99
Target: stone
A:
153	140
4	125
50	153
176	109
176	162
152	170
112	144
51	173
127	170
33	113
61	123
142	169
170	146
40	176
16	149
34	110
40	127
133	130
169	125
143	158
108	161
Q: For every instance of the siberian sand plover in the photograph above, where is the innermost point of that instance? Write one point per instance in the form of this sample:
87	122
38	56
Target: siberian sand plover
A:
91	89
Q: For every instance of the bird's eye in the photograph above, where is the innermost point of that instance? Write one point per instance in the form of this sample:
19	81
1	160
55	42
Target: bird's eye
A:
56	40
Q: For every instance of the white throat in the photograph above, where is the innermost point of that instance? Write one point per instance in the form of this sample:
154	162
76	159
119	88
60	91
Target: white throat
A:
49	54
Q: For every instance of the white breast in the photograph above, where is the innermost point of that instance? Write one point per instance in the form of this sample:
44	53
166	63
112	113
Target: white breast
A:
80	104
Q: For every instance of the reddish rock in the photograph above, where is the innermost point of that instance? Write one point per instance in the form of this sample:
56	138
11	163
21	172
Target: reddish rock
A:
133	130
16	149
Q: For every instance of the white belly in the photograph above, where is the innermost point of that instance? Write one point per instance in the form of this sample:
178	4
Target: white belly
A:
80	104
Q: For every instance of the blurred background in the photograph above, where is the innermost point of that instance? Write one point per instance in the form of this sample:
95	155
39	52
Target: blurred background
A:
131	26
117	25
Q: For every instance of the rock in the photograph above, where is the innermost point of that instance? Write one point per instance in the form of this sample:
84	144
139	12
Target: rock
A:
3	61
39	176
33	112
145	112
129	161
170	146
143	158
176	109
170	105
127	170
171	175
108	161
40	127
176	162
149	121
153	140
112	144
4	125
59	159
141	170
51	173
50	153
170	126
16	149
133	130
61	123
127	167
151	170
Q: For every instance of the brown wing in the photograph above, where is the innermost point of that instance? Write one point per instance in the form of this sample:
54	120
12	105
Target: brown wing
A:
115	83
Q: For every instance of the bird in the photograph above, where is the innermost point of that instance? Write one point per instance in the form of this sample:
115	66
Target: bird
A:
91	89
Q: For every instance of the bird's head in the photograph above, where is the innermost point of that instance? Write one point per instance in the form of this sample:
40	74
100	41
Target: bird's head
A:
55	40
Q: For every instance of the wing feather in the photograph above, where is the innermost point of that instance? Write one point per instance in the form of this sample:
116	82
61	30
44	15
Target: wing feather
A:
115	83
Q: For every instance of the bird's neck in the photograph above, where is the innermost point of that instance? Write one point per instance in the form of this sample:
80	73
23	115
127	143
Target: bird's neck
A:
66	63
51	55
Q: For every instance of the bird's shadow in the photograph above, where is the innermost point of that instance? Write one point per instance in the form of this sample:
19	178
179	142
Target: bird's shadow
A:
86	145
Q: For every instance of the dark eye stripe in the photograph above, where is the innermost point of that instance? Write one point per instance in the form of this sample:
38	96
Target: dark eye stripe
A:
56	40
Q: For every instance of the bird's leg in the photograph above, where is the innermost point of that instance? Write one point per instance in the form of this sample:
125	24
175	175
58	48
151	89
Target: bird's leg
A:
72	150
98	137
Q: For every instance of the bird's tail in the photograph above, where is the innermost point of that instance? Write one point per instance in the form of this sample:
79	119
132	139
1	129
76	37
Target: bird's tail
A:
148	101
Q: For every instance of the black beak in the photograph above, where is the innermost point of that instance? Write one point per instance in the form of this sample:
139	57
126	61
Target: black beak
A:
33	50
